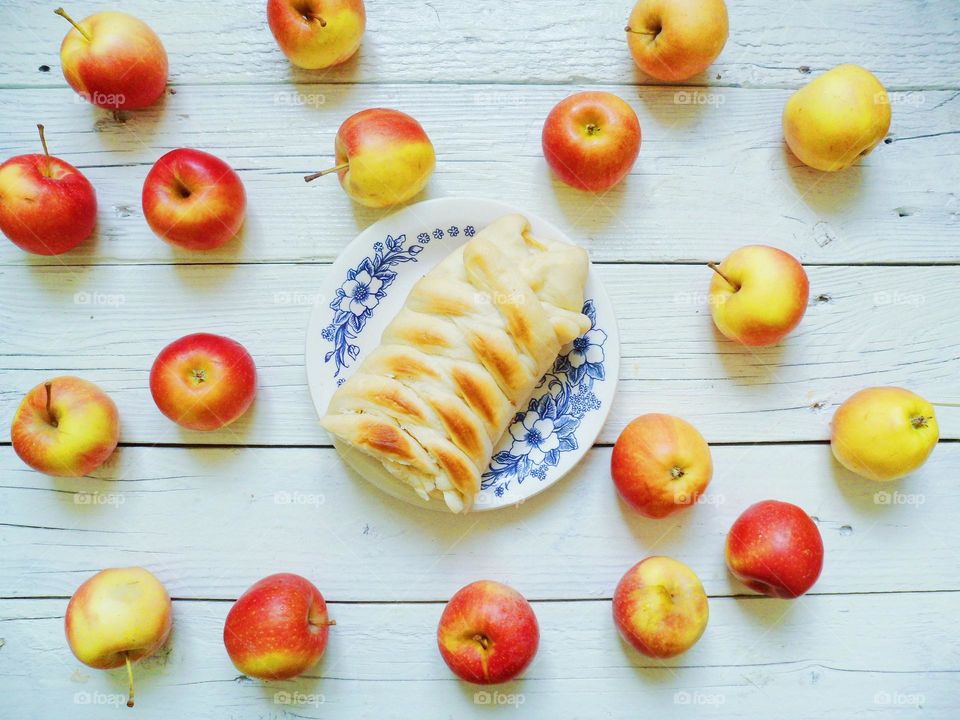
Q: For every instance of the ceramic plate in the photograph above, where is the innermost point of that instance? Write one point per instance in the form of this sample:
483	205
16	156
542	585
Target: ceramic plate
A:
367	286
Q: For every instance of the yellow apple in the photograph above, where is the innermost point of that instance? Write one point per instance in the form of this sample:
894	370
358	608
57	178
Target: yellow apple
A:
117	617
674	40
836	118
883	433
758	295
316	34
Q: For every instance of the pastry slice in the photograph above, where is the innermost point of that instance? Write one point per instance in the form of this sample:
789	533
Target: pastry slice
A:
462	356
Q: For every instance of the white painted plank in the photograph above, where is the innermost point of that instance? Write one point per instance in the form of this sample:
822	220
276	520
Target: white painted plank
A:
710	176
212	521
908	44
865	326
843	657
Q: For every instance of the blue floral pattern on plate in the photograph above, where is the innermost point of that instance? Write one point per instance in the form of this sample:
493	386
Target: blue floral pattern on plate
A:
547	428
365	286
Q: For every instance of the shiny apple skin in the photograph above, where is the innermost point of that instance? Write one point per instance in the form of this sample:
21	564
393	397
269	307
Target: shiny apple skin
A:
47	206
203	381
591	140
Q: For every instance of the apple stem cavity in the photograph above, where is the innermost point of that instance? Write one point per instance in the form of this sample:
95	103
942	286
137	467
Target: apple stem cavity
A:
336	168
126	657
50	415
676	473
63	13
483	640
920	421
713	266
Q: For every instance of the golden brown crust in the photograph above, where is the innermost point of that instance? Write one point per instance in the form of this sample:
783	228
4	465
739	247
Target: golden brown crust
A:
475	335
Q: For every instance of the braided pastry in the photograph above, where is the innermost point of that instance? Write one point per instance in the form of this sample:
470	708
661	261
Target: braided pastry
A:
462	356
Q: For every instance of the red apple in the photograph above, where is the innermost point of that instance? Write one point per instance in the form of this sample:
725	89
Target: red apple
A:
193	199
114	60
488	633
384	157
660	607
591	140
47	206
316	34
66	426
660	464
278	628
758	295
776	549
203	381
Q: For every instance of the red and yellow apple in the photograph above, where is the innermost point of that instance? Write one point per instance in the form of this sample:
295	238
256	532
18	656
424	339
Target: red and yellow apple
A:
837	118
758	295
203	381
47	206
383	157
316	34
278	628
488	633
114	60
591	140
775	548
660	607
66	426
117	617
193	199
673	40
660	464
883	433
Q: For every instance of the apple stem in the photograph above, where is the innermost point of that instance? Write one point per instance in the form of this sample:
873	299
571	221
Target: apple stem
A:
639	32
336	168
676	473
48	387
713	266
483	640
63	13
43	140
126	657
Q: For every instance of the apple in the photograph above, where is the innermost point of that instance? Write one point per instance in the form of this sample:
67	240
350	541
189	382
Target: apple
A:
660	464
114	60
660	607
66	426
758	295
775	548
203	381
193	199
47	206
883	433
836	118
278	628
383	157
488	633
117	617
591	140
673	40
316	34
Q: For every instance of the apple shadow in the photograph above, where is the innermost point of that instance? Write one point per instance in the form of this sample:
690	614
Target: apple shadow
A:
677	106
652	670
652	533
117	129
762	610
227	255
587	212
827	193
743	364
490	698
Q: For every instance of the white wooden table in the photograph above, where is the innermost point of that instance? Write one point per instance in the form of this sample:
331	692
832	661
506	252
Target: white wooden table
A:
878	636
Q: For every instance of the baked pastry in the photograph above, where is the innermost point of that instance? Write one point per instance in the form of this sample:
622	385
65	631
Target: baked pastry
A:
462	356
